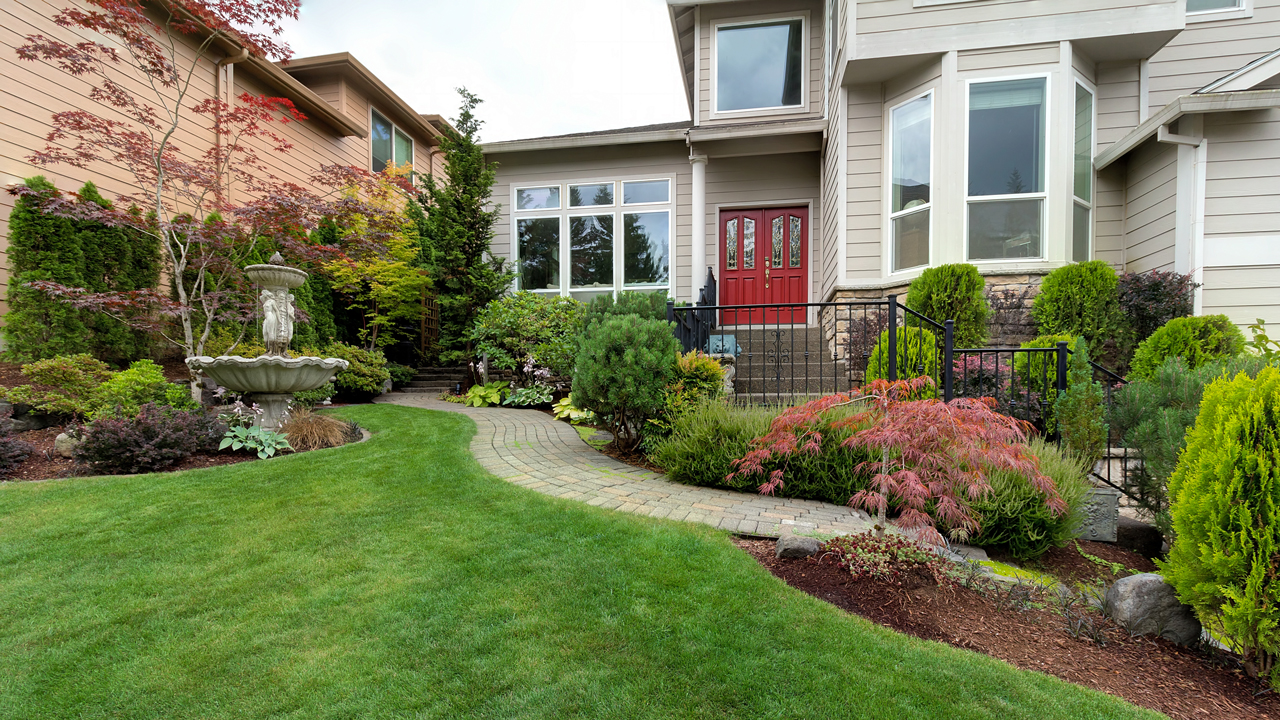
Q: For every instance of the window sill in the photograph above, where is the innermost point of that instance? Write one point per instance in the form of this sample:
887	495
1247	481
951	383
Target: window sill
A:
761	113
1225	14
933	3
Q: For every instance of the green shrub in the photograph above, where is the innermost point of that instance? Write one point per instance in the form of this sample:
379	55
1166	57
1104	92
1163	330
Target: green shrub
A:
529	327
1039	371
649	305
1080	413
365	375
128	390
705	441
315	299
918	355
64	385
622	370
1080	299
1198	340
953	292
1152	417
1225	503
224	339
401	375
311	398
1014	517
697	378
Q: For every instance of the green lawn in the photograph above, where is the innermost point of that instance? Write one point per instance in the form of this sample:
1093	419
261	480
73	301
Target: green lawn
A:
395	578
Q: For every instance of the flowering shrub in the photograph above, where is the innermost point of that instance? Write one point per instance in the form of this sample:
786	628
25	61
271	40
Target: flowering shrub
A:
885	558
529	330
155	438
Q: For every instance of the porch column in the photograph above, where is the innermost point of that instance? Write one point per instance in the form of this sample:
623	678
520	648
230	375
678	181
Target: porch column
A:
699	221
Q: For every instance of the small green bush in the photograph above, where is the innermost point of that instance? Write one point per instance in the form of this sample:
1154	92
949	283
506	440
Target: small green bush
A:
1225	503
1080	299
1039	371
128	390
648	305
1080	413
1014	517
311	398
918	355
1198	340
621	374
401	375
366	374
953	292
529	327
63	385
697	378
225	340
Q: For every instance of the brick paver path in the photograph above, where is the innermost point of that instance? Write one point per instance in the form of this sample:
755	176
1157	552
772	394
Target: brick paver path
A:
531	449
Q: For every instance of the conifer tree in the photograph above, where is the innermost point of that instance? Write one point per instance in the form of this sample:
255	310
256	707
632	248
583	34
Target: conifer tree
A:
116	259
458	230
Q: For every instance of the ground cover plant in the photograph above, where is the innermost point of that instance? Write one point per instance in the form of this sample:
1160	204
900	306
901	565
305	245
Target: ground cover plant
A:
394	576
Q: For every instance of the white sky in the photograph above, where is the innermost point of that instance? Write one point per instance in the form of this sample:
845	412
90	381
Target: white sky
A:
542	68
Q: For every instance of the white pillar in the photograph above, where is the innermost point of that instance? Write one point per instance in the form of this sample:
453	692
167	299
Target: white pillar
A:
699	222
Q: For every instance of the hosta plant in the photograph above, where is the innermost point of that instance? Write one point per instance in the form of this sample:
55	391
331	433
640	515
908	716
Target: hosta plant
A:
257	439
529	396
491	393
564	409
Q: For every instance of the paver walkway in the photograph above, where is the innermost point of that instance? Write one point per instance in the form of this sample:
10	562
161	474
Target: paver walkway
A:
531	449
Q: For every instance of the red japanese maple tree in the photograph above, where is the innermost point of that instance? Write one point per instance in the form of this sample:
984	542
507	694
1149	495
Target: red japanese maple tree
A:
933	455
141	60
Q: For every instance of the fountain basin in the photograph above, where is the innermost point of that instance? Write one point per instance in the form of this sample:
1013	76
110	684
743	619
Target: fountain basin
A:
278	276
269	380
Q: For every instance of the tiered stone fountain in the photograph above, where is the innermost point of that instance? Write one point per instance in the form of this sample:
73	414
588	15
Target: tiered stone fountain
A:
271	379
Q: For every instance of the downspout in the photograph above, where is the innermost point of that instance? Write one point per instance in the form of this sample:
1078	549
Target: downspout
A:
218	89
1193	156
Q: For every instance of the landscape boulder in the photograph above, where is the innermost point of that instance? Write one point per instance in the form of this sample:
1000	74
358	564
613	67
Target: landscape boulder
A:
1139	537
797	546
65	446
21	418
1146	605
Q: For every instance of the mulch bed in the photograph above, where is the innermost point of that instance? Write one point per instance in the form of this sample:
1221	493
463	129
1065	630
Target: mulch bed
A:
1069	566
1152	673
43	464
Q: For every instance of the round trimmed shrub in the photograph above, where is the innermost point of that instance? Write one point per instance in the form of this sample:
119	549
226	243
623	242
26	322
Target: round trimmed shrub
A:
1197	340
650	305
624	363
953	292
1080	299
1225	507
917	350
364	377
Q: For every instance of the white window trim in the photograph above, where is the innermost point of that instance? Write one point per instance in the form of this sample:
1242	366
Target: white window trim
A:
888	187
1091	202
413	143
515	246
1243	10
800	109
622	193
1043	195
569	203
515	193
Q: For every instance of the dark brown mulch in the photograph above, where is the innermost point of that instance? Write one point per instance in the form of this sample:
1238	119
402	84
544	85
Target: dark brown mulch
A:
1152	673
1068	565
634	458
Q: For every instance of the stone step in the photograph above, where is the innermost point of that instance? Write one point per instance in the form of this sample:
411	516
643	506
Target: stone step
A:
791	385
443	384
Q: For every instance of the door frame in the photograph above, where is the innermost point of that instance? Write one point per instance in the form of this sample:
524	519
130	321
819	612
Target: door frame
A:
811	319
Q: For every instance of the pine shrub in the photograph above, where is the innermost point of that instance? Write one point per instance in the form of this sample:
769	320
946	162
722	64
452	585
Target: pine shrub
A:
622	369
1225	504
953	292
153	439
1197	340
1080	299
1080	413
1014	516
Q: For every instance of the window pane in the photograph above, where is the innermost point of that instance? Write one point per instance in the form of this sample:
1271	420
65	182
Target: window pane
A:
645	191
1084	144
911	240
591	251
404	149
1006	137
539	248
1004	229
796	226
381	139
758	66
779	240
645	248
1080	233
911	154
586	195
545	198
1202	5
731	244
748	243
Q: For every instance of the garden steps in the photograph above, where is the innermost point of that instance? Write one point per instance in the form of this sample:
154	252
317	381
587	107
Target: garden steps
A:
785	364
437	380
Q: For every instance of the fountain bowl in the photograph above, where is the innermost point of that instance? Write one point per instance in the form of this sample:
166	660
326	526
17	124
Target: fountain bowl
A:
270	380
276	276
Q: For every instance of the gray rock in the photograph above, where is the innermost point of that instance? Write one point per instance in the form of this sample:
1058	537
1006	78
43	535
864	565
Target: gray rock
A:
1102	508
23	419
1146	605
797	546
386	386
968	552
1139	537
65	446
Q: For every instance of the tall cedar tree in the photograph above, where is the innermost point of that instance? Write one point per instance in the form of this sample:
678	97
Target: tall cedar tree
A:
459	227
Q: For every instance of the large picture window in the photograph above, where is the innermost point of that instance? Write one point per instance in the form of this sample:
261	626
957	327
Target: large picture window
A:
1082	178
909	199
760	66
1006	175
389	144
611	240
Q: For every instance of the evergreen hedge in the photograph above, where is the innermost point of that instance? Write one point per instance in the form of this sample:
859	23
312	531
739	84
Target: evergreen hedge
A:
1197	340
1080	299
953	292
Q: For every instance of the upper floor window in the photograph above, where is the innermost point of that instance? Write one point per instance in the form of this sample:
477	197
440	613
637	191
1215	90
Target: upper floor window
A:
1206	5
390	145
909	199
1006	175
760	66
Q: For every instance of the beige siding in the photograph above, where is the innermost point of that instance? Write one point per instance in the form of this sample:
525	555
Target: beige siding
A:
863	208
1206	51
1009	57
829	267
1084	66
652	160
1243	294
716	13
906	86
882	16
1242	187
1117	102
1108	216
1150	215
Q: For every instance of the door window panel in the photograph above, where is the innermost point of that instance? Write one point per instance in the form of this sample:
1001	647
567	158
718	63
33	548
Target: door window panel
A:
794	255
748	244
646	243
538	245
759	66
731	244
591	251
779	240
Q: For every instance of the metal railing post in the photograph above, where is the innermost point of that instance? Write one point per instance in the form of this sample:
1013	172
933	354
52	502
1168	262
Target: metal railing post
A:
893	338
948	371
1062	366
671	311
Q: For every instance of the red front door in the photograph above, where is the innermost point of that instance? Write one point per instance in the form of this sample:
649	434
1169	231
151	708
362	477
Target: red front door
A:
764	261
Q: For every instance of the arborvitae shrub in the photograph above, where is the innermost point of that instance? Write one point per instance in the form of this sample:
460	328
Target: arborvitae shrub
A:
116	259
953	292
1197	340
1039	371
1225	503
1080	299
315	298
1014	516
1080	413
918	355
623	364
42	246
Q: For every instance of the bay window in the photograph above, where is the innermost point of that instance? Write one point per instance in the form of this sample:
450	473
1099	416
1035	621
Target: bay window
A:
1006	168
909	199
759	66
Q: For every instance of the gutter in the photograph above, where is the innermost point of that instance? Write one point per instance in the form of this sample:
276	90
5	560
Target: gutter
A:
1186	105
557	143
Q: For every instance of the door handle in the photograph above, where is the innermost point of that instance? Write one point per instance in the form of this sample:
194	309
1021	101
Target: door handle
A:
766	275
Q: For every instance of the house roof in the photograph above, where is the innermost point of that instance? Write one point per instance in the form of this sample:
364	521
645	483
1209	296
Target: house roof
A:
1247	77
620	136
1187	105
